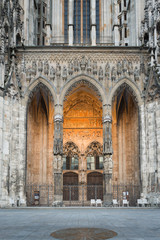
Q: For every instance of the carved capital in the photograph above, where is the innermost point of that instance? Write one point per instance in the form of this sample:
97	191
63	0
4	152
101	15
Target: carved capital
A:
58	118
107	118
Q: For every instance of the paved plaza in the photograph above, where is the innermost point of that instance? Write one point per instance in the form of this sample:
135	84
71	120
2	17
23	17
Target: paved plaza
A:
39	223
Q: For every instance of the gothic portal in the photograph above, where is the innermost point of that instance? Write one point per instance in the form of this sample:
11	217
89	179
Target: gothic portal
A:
79	101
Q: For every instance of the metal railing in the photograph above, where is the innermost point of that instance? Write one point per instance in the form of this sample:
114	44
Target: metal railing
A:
79	195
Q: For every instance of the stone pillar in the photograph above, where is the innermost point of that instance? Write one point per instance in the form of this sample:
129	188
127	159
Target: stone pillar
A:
93	22
108	163
2	71
70	22
116	25
57	161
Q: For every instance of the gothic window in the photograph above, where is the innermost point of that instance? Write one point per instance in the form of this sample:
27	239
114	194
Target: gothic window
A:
70	163
71	156
94	162
81	21
94	156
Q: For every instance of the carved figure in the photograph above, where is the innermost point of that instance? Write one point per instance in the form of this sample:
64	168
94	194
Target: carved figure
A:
124	66
83	63
46	68
58	70
52	73
100	73
64	73
136	74
113	74
28	75
107	147
119	68
89	67
70	68
107	70
76	65
40	66
34	68
130	68
94	67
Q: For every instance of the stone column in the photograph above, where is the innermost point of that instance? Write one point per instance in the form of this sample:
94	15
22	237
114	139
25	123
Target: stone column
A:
57	161
108	163
116	25
2	71
70	22
93	21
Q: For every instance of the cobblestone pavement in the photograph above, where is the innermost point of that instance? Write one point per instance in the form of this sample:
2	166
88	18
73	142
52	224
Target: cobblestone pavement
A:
39	223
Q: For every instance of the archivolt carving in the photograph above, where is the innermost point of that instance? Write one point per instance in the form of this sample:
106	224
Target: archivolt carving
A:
94	149
126	87
37	88
82	83
70	149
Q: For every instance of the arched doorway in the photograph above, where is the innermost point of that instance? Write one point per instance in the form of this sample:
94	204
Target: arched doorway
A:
70	186
94	186
125	137
40	131
82	125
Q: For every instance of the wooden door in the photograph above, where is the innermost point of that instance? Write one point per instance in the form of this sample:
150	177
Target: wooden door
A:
70	186
94	186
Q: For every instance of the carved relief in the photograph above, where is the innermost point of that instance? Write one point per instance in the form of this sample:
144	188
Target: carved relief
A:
70	149
94	149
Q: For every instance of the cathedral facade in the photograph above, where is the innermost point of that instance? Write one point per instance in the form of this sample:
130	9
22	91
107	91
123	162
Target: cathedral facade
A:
79	101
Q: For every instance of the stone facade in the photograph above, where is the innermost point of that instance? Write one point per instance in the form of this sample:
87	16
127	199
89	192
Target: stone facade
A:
53	92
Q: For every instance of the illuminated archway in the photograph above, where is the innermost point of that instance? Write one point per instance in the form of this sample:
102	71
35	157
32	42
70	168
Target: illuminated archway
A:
125	137
40	130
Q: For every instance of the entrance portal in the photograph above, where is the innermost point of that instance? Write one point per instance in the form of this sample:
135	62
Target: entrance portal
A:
94	186
70	179
125	138
83	138
40	131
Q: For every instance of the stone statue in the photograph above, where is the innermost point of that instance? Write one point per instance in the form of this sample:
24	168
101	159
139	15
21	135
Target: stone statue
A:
107	70
52	73
94	67
136	74
40	66
76	65
124	66
107	147
113	74
89	67
46	68
100	73
119	68
70	68
34	68
58	70
130	68
58	137
64	74
83	63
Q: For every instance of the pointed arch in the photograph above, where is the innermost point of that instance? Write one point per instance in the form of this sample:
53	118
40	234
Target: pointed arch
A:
81	79
126	83
46	83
